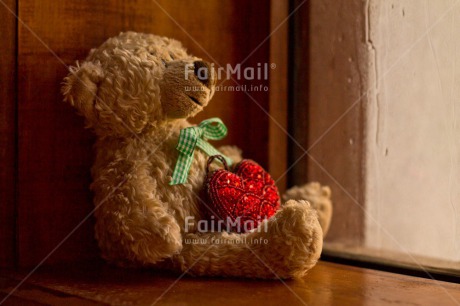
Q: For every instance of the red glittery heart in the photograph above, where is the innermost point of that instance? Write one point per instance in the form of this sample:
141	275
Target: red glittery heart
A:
243	198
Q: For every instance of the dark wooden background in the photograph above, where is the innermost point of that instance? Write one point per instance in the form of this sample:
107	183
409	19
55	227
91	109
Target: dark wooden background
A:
46	153
327	115
7	136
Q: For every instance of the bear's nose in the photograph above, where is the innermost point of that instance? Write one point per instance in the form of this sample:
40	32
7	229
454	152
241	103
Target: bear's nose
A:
203	72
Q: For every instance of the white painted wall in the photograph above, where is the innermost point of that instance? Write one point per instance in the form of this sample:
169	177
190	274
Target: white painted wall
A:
413	140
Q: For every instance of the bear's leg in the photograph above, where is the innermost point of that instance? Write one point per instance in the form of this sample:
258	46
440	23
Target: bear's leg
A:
319	198
288	245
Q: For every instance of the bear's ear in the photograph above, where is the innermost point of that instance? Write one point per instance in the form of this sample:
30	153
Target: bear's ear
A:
80	87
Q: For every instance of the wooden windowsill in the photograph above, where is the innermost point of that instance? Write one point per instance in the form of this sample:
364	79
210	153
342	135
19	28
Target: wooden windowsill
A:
400	260
326	284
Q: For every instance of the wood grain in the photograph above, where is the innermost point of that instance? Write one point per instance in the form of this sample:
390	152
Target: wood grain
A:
7	133
55	152
326	284
328	100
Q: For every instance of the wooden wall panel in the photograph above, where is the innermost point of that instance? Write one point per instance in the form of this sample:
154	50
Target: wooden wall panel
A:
298	92
328	97
278	125
55	151
7	133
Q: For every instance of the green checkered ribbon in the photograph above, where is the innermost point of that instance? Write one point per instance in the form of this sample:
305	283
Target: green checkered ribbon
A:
196	136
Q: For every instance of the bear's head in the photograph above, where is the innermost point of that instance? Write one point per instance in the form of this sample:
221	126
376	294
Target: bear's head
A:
135	82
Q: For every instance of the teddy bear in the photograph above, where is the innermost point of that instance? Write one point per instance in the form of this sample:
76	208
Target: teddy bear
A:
132	93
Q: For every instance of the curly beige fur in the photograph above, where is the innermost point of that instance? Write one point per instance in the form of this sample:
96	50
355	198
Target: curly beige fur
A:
320	198
133	93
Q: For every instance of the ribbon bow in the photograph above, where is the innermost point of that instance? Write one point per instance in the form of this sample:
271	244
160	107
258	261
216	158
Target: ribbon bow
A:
196	136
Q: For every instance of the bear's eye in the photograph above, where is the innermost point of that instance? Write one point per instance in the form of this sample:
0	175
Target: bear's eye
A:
171	55
164	62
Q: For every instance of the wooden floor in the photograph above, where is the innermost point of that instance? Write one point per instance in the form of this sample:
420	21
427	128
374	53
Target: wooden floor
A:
326	284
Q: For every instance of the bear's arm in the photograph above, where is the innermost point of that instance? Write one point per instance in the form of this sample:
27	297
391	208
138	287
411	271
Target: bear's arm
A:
132	225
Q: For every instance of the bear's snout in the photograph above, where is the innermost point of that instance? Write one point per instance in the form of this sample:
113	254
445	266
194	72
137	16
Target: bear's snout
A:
204	72
186	87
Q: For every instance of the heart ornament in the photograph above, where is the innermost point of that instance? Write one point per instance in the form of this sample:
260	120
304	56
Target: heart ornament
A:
243	198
